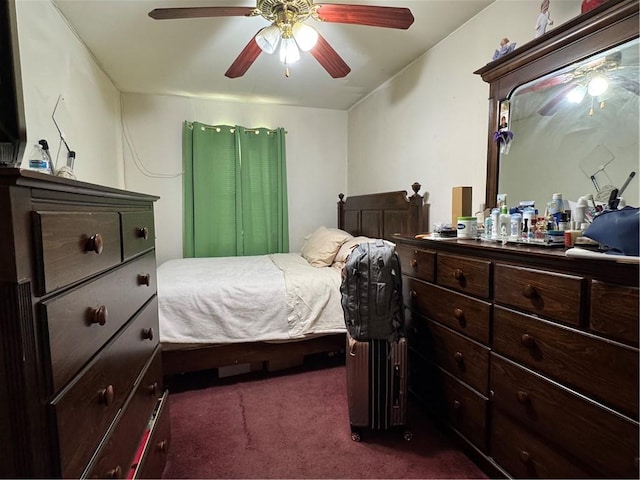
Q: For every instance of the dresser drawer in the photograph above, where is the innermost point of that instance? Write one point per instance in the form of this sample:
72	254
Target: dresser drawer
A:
457	311
117	453
525	455
463	358
607	441
550	295
82	320
417	263
604	369
614	311
72	246
138	232
451	400
467	275
90	403
154	454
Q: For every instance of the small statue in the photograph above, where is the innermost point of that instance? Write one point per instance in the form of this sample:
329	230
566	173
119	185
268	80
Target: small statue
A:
544	19
505	47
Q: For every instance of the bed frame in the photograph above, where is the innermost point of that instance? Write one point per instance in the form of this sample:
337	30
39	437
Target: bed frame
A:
377	215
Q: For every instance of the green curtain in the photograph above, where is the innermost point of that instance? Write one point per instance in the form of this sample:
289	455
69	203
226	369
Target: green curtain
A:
235	191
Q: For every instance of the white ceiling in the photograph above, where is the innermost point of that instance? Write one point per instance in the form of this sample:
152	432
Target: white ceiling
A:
190	56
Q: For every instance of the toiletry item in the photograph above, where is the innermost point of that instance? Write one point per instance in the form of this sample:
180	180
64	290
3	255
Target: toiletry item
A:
501	200
563	223
39	160
529	216
570	237
495	223
516	225
505	223
487	227
467	227
45	148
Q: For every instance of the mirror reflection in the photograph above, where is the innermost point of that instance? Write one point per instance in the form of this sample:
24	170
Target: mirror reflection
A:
575	132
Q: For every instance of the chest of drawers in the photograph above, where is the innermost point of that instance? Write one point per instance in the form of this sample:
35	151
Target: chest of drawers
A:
530	357
81	379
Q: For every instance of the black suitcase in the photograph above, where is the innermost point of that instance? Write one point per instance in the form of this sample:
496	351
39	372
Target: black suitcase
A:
377	385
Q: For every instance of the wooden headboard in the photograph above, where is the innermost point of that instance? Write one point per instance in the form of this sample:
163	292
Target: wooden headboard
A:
380	215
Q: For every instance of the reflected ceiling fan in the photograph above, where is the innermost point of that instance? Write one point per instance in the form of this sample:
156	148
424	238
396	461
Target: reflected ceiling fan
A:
593	78
289	31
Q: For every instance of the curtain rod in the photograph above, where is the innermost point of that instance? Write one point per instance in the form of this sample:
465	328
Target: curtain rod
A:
218	128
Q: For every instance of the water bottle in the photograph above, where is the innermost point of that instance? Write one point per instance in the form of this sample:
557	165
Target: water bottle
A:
39	160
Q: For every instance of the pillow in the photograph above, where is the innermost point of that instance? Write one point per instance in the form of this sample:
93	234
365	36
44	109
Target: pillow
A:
323	244
345	250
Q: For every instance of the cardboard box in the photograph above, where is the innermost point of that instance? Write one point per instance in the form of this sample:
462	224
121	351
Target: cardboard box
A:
460	204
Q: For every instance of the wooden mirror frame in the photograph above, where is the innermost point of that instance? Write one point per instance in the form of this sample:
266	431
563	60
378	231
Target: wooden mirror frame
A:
605	27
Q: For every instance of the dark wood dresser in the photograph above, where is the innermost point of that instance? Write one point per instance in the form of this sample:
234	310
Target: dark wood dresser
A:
530	357
80	370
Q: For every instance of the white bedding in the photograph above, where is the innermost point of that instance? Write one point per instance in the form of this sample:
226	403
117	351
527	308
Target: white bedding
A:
275	297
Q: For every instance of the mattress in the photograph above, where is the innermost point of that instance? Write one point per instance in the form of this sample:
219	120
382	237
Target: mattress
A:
276	297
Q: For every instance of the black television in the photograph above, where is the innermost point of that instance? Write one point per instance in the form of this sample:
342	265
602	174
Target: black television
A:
13	134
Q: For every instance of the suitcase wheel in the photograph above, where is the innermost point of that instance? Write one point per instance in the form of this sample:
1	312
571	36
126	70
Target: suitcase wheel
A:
355	436
407	435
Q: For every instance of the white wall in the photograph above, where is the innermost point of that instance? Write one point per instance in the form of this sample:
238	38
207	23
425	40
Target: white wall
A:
429	123
55	63
316	158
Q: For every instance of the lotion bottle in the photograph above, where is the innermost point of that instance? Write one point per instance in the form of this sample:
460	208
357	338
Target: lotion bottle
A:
505	224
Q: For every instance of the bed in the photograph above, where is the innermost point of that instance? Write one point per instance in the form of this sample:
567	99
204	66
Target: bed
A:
259	331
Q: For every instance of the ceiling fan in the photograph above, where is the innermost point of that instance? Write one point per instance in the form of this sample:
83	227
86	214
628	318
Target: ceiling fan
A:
288	29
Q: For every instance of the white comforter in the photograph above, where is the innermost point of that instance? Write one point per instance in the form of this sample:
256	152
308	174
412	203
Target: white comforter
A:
275	297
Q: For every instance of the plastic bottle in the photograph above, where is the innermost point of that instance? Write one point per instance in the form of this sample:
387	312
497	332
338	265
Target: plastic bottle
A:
529	219
495	223
45	148
39	160
516	225
505	223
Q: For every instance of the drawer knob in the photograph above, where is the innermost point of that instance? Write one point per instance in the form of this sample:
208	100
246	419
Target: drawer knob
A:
143	232
153	388
163	446
457	405
147	333
144	279
522	396
414	263
525	456
95	244
529	291
528	341
115	473
99	315
413	294
458	357
107	395
458	274
458	313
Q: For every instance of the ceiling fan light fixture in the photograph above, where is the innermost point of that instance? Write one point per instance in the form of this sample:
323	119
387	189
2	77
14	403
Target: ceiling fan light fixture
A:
597	86
577	94
268	38
305	36
289	52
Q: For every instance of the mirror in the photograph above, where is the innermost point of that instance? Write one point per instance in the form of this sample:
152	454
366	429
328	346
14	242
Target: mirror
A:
575	131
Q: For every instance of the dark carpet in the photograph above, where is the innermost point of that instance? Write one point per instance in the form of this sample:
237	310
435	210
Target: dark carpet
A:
295	425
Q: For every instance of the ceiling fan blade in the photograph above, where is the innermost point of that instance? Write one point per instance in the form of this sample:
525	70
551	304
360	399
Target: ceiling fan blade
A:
390	17
199	12
329	58
243	61
552	106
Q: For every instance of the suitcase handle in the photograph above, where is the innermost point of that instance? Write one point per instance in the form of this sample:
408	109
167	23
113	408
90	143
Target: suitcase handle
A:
396	385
